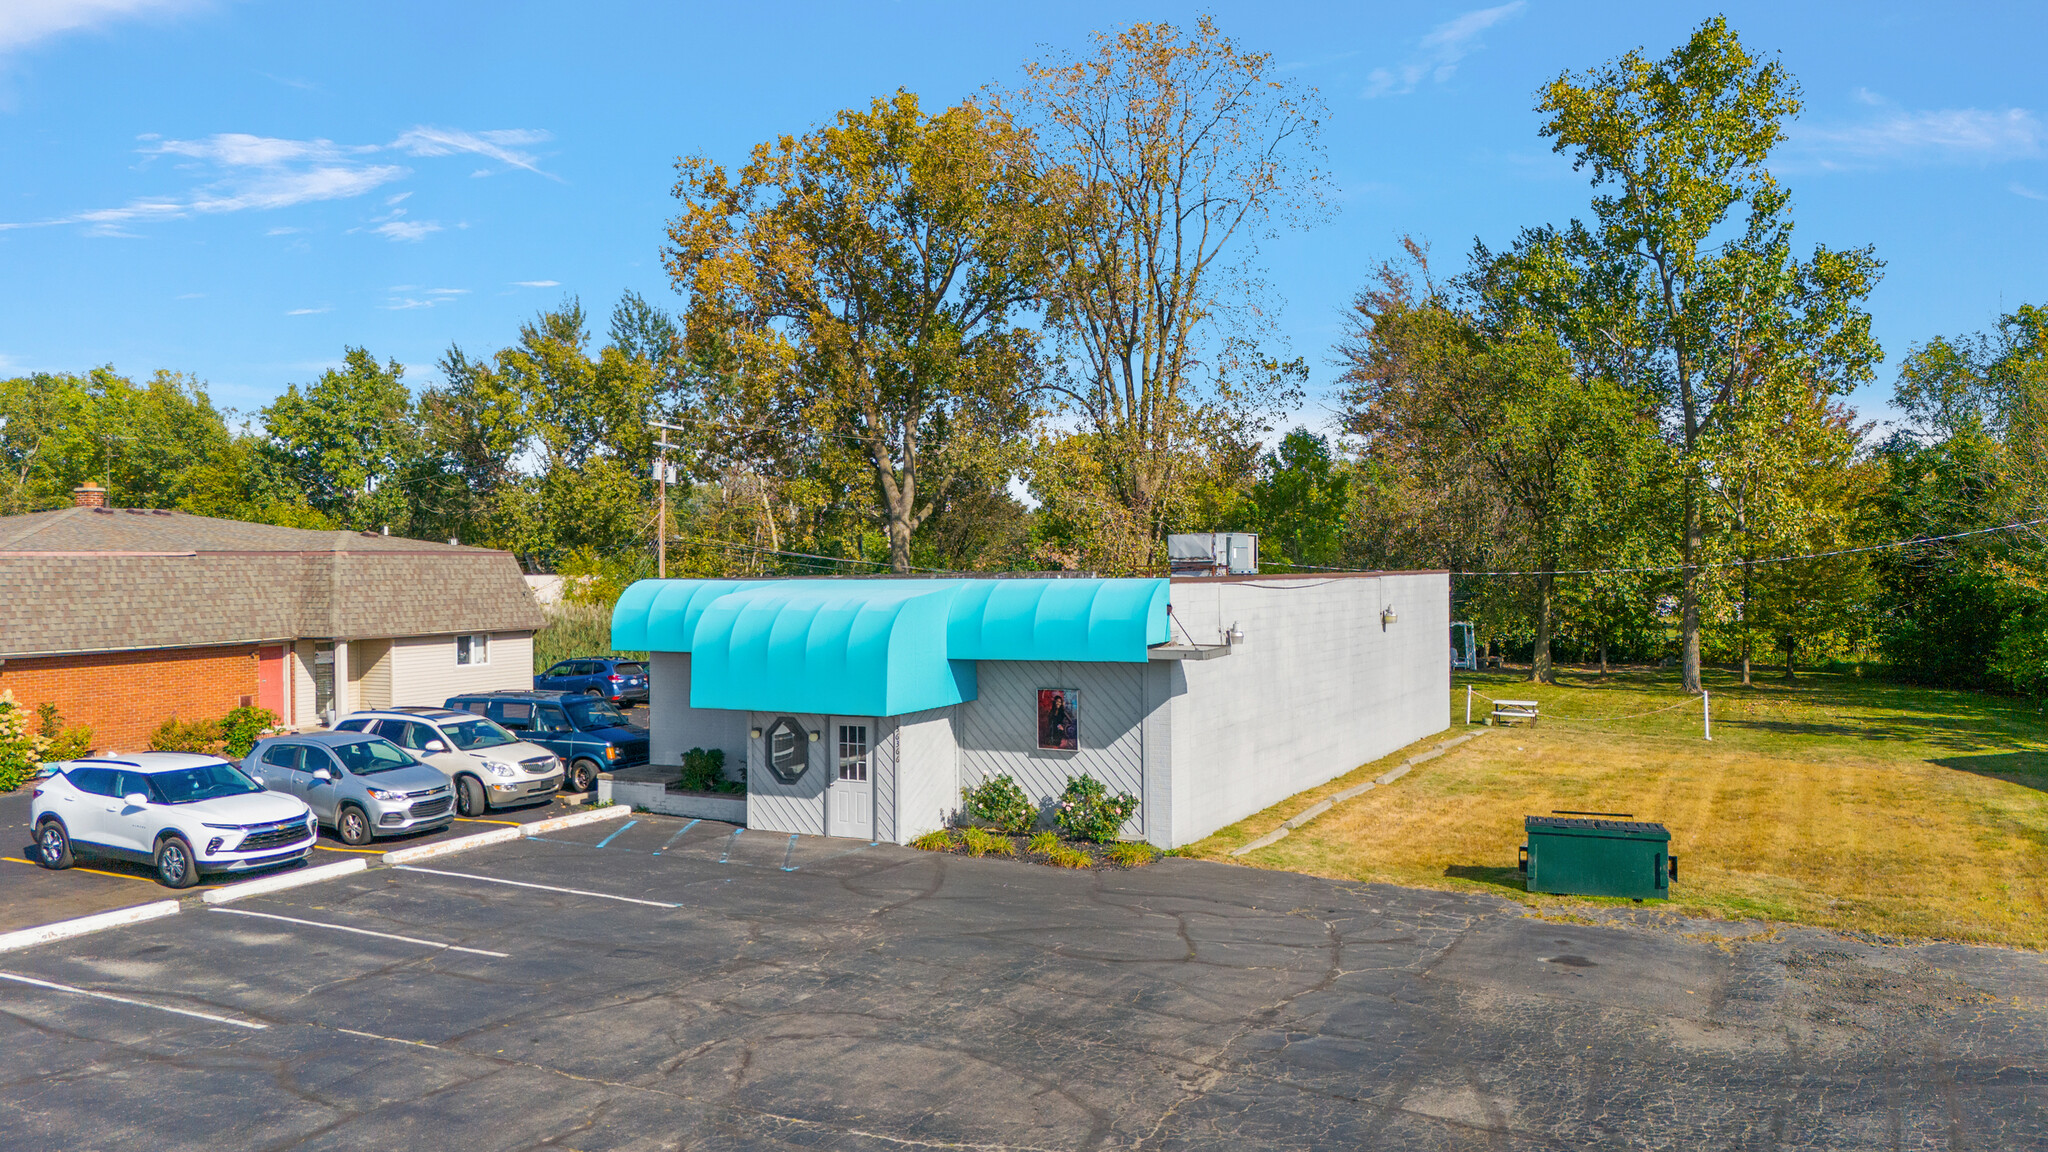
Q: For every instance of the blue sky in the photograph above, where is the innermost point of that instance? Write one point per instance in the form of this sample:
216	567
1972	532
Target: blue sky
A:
240	189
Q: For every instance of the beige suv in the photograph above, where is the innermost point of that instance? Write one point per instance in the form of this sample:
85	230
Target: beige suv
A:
489	767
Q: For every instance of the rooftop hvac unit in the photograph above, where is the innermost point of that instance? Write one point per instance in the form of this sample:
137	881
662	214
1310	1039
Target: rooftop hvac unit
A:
1213	554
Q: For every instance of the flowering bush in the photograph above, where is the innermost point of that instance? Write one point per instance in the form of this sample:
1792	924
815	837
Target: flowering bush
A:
21	750
1086	810
999	801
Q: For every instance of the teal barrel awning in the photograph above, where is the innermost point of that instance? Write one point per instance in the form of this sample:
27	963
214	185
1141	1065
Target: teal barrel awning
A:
879	647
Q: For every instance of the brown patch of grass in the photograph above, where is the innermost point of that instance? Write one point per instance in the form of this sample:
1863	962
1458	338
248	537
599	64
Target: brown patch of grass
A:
1833	801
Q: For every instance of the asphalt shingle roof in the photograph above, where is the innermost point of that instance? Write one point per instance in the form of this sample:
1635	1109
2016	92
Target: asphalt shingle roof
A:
87	579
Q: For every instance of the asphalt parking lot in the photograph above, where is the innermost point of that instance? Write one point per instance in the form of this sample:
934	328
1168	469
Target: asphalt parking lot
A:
35	895
660	984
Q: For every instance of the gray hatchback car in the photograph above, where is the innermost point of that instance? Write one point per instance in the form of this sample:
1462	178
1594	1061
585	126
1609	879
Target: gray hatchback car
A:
361	786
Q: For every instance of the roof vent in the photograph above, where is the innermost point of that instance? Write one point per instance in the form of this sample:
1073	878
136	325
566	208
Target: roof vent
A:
89	495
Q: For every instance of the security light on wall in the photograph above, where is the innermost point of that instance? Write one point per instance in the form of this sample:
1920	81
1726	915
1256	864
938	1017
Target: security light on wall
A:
754	732
1387	617
814	737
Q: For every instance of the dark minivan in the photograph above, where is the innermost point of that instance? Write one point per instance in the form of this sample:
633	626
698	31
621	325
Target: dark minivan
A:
618	681
589	734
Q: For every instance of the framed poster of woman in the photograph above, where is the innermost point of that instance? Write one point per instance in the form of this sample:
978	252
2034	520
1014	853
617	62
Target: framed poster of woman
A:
1059	719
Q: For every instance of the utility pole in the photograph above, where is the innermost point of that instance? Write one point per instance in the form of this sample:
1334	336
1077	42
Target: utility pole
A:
664	475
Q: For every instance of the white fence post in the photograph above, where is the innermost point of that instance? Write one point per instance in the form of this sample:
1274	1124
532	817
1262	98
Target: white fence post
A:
1707	711
1468	705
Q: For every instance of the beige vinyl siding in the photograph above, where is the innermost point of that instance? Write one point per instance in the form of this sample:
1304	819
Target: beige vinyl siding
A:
301	667
424	671
369	663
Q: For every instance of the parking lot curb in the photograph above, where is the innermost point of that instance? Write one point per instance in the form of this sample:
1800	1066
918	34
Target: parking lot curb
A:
279	883
63	929
450	847
556	823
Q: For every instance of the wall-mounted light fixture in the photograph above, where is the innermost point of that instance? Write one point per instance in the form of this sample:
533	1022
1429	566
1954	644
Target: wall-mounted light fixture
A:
1387	617
814	737
754	732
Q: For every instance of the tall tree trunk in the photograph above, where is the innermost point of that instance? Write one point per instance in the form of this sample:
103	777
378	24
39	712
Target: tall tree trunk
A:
1539	661
1603	659
1689	597
1790	649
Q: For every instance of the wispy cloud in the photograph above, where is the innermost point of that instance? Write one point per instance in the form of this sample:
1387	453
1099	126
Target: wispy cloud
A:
402	297
1940	136
308	311
237	171
2019	189
503	146
1436	55
24	22
537	283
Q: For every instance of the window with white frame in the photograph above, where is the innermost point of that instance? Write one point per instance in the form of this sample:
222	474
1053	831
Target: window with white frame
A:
473	649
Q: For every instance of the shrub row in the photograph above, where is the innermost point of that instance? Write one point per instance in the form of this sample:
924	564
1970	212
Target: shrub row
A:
1086	810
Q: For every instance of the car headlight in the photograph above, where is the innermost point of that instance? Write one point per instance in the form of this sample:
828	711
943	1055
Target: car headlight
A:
224	827
498	769
385	794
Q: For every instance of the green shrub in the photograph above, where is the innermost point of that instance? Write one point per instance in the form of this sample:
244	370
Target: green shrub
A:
982	842
1131	854
933	842
999	801
67	741
705	772
1043	843
1065	856
22	751
240	729
202	736
1086	810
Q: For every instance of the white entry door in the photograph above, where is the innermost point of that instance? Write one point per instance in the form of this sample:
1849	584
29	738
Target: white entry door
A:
850	795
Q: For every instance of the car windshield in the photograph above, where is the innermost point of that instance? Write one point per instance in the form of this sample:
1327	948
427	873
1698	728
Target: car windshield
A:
589	715
469	735
205	782
369	757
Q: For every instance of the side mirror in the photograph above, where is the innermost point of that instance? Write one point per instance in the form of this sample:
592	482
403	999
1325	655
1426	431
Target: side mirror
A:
326	774
436	746
135	799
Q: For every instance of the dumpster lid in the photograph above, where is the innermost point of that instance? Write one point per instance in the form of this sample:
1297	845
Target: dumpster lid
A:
1582	827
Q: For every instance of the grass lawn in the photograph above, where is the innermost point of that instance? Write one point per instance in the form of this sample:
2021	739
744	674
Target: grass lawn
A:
1831	800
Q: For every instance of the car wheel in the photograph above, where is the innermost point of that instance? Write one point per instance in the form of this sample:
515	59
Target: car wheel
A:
175	865
596	693
469	796
353	826
53	845
583	775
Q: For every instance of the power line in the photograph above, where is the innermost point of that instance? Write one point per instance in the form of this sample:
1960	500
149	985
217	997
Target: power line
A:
1772	560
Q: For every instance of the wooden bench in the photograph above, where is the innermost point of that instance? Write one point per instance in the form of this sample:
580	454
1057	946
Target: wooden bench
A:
1509	711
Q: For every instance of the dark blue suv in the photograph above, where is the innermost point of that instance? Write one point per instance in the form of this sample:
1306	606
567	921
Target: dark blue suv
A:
590	735
618	681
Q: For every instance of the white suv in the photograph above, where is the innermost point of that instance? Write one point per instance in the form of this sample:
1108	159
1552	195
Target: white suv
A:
184	814
489	767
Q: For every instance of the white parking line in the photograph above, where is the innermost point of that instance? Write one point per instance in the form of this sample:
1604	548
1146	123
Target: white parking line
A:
124	1000
542	887
362	932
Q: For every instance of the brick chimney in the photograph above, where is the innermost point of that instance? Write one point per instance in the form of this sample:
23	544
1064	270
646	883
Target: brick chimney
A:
89	495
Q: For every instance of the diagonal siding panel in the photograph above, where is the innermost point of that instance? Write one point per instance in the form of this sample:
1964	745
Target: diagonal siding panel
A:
999	729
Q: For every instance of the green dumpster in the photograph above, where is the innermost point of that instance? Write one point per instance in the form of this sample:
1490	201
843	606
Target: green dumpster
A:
1568	856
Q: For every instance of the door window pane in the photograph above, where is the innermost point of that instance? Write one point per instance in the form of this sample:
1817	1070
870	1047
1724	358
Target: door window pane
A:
283	755
97	781
853	752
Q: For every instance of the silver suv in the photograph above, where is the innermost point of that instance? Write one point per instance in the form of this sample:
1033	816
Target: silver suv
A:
489	767
360	786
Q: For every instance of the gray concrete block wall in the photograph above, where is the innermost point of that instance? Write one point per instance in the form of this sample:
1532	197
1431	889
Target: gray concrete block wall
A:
999	728
927	772
675	727
1316	689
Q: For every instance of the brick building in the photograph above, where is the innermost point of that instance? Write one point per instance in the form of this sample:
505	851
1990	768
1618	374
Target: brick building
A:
124	617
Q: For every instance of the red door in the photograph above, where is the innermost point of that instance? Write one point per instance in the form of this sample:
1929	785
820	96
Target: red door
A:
270	679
